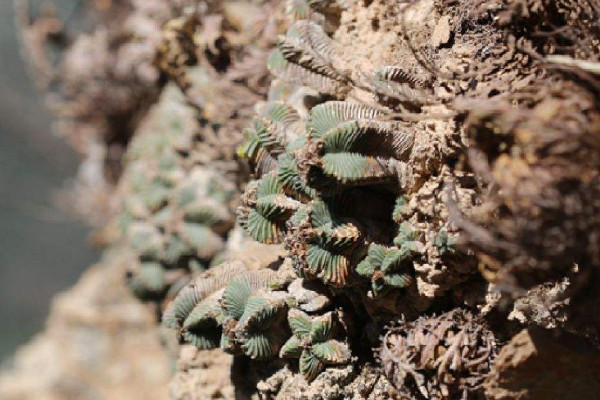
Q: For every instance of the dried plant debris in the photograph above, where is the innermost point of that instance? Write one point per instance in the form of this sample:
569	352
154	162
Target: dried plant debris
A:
443	357
542	163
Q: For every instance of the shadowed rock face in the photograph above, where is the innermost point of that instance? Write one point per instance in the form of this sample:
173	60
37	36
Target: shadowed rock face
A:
538	364
38	241
100	343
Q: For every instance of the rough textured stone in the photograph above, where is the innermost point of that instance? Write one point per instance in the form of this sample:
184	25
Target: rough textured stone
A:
538	365
100	343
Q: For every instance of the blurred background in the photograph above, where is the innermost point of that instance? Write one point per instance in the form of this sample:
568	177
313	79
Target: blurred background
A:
42	249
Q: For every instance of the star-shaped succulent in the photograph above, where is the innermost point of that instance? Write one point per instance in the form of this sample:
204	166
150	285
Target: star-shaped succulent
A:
250	318
313	344
386	268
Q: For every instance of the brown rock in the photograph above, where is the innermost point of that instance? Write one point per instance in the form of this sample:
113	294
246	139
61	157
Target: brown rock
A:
441	33
539	365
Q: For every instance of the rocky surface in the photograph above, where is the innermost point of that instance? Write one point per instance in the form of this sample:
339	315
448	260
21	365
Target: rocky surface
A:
99	343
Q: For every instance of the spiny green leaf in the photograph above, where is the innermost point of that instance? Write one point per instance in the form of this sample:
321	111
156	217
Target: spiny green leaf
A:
310	365
369	137
337	238
320	213
289	178
400	208
270	134
277	62
321	328
235	296
186	195
203	213
204	340
226	344
202	238
330	267
306	45
261	312
149	282
204	316
152	274
299	322
157	194
175	249
331	352
276	206
258	346
307	38
397	74
281	112
406	233
181	307
297	74
292	348
326	116
268	185
262	229
444	242
355	168
398	280
146	239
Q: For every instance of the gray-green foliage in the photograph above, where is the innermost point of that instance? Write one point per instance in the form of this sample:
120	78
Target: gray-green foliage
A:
328	245
184	227
266	209
175	213
327	174
196	313
313	343
386	268
352	146
303	56
232	308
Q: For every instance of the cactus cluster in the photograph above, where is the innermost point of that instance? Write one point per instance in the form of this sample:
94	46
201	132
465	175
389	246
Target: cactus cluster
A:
181	183
175	213
261	314
334	183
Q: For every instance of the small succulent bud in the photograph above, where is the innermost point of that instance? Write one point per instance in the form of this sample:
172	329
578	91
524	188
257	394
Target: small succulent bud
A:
313	343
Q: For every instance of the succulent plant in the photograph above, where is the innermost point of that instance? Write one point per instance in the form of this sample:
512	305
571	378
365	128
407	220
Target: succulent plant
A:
366	180
438	357
195	312
252	316
395	83
276	125
266	209
322	246
303	56
386	268
313	344
258	330
348	144
180	225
